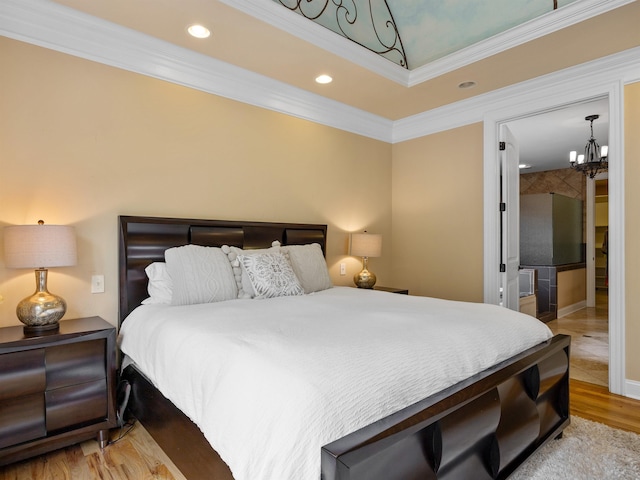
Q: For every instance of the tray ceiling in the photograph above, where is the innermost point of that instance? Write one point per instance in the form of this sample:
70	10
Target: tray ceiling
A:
266	38
412	33
266	54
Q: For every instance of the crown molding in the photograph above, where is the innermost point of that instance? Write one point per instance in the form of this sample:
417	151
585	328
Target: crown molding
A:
56	27
284	19
565	86
288	21
53	26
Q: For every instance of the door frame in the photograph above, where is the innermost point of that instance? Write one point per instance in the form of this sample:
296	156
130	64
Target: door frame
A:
510	224
533	103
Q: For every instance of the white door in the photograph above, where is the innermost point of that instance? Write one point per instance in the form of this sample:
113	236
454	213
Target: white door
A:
510	219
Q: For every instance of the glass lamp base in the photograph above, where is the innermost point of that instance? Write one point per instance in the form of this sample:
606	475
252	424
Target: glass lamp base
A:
364	279
41	311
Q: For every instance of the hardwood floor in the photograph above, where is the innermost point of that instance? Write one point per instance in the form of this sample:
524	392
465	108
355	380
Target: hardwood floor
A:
138	457
589	330
594	402
135	457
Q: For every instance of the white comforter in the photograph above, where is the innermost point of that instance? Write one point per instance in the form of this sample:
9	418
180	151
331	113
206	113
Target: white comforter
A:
271	381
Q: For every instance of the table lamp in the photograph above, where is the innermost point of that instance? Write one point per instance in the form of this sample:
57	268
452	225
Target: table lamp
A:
40	246
365	245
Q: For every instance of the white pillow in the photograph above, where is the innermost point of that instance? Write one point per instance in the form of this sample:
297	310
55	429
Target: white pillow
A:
310	266
245	289
160	285
271	275
200	275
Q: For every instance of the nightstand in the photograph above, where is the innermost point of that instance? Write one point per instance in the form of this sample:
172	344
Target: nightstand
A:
56	389
402	291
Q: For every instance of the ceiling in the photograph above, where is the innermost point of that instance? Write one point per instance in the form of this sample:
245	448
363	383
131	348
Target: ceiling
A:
545	140
412	33
494	44
263	36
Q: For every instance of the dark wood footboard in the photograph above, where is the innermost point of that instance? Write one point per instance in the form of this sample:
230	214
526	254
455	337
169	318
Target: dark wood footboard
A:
482	428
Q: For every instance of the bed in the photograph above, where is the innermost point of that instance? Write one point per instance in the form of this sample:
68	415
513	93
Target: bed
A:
481	426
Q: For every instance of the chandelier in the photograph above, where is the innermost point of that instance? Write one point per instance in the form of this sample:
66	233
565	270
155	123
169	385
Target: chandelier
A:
594	159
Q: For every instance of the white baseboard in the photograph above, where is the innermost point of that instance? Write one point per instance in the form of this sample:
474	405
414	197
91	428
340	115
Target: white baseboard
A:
571	308
632	389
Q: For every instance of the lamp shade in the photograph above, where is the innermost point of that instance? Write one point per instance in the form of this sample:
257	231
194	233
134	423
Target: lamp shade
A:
366	244
39	246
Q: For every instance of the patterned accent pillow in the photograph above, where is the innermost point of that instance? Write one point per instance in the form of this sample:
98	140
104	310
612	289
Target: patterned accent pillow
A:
271	275
245	289
309	265
200	275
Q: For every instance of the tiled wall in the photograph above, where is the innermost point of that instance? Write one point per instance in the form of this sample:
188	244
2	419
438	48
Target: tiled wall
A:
565	181
547	293
547	288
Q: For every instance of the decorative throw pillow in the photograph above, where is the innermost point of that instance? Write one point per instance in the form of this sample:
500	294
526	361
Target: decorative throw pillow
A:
200	275
245	289
160	286
271	275
310	266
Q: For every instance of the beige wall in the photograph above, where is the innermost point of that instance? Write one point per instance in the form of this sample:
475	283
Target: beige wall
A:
572	287
437	218
632	228
82	143
438	214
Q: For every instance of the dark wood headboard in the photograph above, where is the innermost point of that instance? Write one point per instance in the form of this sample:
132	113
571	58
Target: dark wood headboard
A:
143	240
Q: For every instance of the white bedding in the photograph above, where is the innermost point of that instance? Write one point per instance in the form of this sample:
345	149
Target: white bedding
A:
269	382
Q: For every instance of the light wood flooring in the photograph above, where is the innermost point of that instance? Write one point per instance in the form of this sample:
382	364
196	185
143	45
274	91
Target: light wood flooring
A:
135	457
594	402
589	330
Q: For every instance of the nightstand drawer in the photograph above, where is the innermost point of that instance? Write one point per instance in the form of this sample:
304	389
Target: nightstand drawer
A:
21	373
22	419
75	405
57	388
75	363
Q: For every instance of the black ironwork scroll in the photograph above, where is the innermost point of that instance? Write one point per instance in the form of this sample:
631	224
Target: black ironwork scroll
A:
368	23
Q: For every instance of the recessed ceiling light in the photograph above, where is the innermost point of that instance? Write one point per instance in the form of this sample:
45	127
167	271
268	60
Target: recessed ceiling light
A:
324	79
467	85
524	166
198	31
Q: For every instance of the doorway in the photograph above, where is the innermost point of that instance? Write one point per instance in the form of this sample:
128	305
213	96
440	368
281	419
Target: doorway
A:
589	327
559	258
564	94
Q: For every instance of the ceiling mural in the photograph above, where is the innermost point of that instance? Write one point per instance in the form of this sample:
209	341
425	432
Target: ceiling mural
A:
412	33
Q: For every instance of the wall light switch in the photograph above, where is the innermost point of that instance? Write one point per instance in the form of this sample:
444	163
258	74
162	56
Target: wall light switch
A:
343	269
97	283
